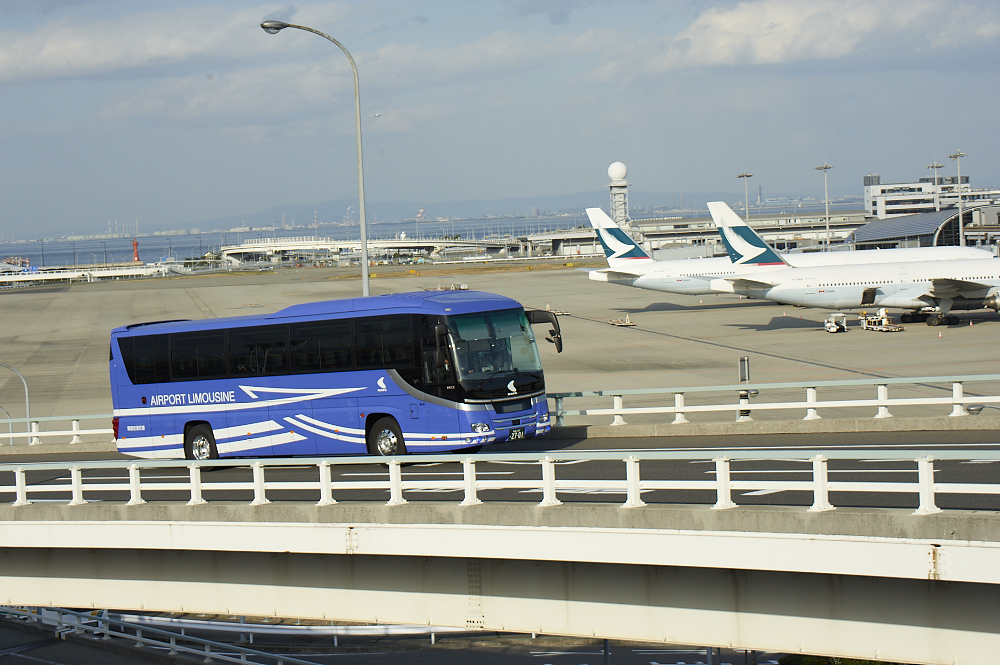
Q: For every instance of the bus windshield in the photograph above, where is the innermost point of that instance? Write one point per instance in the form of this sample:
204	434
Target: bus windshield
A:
491	344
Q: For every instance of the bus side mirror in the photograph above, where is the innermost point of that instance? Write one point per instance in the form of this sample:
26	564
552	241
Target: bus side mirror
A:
440	342
545	316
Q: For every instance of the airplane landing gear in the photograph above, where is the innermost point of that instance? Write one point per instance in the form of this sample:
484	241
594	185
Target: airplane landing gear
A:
942	320
915	317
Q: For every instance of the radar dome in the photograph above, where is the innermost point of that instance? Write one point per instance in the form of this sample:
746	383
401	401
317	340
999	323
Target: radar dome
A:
617	171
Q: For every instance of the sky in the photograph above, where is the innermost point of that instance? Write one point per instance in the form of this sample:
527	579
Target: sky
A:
175	112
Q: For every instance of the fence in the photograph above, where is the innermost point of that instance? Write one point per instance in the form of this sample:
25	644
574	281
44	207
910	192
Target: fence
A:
31	429
951	389
137	481
103	627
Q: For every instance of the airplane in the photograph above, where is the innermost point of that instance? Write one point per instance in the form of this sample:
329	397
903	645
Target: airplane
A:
930	289
630	265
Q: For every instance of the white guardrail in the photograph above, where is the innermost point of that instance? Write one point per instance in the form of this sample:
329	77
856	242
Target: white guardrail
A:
135	482
951	389
954	398
102	626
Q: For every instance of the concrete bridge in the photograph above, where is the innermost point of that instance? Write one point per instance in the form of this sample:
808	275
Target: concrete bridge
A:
504	542
278	249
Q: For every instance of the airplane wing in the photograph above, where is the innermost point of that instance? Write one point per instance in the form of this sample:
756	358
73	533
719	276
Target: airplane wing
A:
738	283
947	285
612	275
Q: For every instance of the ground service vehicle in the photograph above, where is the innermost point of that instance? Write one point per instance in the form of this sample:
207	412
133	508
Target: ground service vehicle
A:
407	372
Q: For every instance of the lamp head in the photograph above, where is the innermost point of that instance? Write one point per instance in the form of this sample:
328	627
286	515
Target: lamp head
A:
975	409
273	27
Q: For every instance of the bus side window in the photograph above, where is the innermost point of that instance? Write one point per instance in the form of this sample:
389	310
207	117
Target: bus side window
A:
199	355
257	351
324	346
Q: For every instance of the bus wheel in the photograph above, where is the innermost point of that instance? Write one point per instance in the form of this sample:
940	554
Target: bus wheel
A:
385	438
199	443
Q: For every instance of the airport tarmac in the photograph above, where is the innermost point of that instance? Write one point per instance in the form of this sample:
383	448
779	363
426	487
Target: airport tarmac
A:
57	336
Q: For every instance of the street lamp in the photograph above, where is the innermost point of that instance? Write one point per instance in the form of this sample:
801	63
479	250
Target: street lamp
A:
746	192
826	199
273	27
961	211
105	245
975	409
937	188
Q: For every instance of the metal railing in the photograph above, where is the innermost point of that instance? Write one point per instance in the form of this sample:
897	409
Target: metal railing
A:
31	428
103	627
139	481
951	389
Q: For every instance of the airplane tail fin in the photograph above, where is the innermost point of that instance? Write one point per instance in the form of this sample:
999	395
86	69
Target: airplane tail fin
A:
619	248
744	245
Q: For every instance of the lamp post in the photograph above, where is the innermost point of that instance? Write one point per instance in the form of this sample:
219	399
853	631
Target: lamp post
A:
961	211
937	188
826	199
74	254
105	245
273	27
746	175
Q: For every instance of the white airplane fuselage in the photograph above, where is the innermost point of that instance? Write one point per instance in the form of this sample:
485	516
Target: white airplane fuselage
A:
696	276
956	284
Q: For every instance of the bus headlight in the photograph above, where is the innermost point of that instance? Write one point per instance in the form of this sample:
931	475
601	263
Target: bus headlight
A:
480	428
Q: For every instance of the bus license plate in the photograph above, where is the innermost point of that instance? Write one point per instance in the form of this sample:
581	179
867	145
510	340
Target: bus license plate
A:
516	433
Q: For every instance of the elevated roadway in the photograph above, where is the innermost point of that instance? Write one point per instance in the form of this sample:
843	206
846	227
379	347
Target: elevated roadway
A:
637	571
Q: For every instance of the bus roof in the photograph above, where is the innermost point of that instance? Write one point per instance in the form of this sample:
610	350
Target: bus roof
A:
428	302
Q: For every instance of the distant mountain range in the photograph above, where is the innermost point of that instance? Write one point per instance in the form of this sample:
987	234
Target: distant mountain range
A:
391	211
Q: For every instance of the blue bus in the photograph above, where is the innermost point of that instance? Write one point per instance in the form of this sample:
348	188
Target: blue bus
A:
387	375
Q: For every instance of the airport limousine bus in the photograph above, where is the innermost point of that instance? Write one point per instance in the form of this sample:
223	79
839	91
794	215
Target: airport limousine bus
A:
387	375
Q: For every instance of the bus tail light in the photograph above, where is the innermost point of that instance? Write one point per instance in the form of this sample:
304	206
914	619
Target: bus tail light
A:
114	426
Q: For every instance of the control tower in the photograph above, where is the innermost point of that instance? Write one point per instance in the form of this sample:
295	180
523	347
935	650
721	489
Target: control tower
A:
619	194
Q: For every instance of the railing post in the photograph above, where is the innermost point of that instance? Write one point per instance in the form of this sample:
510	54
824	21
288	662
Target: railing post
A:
135	486
549	484
76	480
811	413
724	493
679	418
633	487
259	489
325	485
925	484
617	404
195	473
882	395
469	476
75	426
743	415
821	487
559	412
21	488
34	440
958	408
395	483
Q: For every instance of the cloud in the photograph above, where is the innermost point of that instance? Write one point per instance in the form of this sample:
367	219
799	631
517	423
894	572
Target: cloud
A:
74	47
772	32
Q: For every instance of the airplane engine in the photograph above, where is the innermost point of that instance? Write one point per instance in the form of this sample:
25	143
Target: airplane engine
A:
992	302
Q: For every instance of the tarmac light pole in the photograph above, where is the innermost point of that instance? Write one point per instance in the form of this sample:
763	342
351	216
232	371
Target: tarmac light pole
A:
937	188
826	199
272	28
746	193
961	211
27	408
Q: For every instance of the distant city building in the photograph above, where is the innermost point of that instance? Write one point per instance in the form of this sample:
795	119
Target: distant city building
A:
884	200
